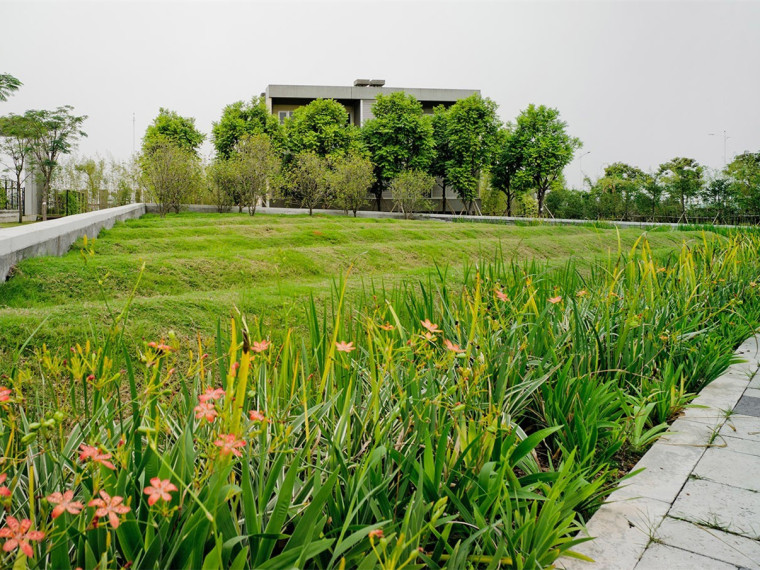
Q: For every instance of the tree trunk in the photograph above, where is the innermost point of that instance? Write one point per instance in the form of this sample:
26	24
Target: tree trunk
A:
443	207
20	202
379	199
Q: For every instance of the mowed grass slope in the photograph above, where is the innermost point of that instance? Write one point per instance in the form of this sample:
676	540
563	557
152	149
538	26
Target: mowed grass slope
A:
199	267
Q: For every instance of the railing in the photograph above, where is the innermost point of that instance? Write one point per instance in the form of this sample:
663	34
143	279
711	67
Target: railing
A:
9	196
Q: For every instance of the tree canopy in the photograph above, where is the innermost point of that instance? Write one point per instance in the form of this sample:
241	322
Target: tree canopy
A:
546	148
8	85
240	119
472	131
321	127
683	179
170	126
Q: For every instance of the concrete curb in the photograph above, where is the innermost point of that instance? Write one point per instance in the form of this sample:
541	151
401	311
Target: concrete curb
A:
625	525
54	237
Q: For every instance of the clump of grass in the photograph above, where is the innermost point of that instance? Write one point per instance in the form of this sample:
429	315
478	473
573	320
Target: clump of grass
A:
423	425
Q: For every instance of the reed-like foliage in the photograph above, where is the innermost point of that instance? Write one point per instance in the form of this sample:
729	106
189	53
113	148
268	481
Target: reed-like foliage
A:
422	427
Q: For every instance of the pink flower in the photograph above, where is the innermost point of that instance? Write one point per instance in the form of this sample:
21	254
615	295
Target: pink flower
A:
581	293
433	328
261	346
211	394
205	410
110	507
89	452
501	295
19	535
429	336
451	346
160	347
345	346
376	533
64	503
4	491
229	443
257	416
555	300
159	490
5	394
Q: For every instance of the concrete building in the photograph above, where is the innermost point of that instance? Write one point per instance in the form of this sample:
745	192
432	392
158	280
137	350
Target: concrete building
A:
358	99
282	100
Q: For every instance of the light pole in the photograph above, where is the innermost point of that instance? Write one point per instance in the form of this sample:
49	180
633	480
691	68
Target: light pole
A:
725	138
580	166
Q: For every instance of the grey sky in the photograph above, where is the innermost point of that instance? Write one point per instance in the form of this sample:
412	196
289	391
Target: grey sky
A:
639	82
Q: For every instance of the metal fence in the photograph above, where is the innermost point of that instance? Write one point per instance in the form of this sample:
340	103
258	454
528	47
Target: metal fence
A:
9	196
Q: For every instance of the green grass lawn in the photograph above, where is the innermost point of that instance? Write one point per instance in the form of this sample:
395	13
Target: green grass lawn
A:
199	267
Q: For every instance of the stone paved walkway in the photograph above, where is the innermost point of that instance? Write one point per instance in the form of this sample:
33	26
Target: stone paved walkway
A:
697	503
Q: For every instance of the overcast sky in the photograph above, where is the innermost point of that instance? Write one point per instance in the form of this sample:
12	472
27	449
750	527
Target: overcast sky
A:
640	82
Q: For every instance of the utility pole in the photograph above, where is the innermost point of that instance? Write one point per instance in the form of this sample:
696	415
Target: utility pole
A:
580	166
725	138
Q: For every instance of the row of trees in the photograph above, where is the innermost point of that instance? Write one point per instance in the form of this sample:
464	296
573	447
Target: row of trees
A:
317	157
679	190
36	139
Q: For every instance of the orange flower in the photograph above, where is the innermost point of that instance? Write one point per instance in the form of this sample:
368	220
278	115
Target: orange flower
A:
501	295
555	300
261	346
229	443
19	535
89	452
160	347
345	346
581	293
4	491
64	503
451	346
387	327
110	507
5	394
159	490
376	533
211	394
205	410
257	416
433	328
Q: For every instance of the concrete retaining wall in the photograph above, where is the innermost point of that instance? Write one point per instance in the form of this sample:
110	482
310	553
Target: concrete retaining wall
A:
54	237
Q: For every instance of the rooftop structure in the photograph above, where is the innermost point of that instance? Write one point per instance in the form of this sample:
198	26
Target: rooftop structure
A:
358	99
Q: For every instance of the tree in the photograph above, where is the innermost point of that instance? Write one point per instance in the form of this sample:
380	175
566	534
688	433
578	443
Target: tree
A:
170	126
16	134
442	155
683	179
257	166
744	171
650	194
240	119
53	133
8	85
307	179
222	179
620	184
322	128
171	174
545	146
472	130
349	181
411	190
719	194
398	138
507	169
96	180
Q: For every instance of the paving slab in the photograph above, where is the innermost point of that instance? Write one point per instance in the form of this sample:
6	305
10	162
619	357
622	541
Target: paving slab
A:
755	382
748	406
709	542
665	469
730	468
628	525
740	445
752	392
688	432
731	509
744	427
660	557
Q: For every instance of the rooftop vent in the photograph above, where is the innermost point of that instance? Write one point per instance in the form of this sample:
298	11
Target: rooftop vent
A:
361	83
377	82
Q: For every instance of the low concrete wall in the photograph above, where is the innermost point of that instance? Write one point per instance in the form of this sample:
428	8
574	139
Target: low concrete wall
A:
54	237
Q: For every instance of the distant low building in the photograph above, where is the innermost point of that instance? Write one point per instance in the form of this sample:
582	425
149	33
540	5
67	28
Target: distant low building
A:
282	100
358	99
